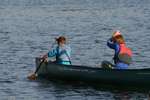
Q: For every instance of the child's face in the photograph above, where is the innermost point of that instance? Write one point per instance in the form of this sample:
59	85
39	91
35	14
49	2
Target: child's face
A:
62	42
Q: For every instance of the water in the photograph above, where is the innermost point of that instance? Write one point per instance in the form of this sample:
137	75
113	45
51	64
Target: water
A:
28	29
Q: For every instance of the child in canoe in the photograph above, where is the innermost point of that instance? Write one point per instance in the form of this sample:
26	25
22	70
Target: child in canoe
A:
122	56
62	52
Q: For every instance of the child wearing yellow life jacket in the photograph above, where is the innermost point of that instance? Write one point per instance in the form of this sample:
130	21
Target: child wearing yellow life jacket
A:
123	55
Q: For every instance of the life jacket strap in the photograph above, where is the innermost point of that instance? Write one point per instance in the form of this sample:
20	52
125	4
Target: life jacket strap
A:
58	55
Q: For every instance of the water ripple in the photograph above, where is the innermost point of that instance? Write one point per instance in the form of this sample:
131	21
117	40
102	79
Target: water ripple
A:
28	29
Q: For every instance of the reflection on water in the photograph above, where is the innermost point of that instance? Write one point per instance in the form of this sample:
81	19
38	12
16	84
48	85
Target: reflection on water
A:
28	29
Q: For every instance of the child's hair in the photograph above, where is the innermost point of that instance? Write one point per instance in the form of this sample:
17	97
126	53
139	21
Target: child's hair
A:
119	39
61	39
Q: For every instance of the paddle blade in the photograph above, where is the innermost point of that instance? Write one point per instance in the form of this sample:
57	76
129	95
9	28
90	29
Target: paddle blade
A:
32	77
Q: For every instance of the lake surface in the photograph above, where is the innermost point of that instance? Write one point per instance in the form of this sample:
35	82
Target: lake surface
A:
28	29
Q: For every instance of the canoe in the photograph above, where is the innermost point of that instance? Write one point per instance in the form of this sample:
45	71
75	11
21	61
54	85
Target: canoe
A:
139	77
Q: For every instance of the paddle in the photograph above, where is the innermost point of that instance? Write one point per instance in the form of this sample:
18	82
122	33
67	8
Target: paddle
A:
34	76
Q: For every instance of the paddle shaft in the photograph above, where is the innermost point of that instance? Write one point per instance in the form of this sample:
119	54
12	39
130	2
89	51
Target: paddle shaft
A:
37	69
